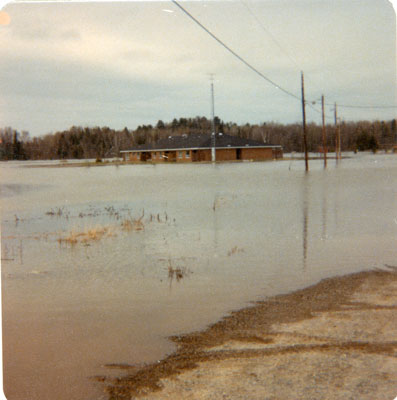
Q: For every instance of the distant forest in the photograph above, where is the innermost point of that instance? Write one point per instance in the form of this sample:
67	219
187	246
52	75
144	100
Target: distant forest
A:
96	142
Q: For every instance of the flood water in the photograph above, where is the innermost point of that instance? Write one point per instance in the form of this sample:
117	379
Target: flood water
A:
83	288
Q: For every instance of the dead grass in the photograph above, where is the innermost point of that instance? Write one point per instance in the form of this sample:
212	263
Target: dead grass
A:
99	232
94	234
58	212
90	235
235	250
178	272
220	202
157	217
131	224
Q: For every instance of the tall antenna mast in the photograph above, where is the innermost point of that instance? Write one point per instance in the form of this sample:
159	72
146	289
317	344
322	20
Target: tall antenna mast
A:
213	152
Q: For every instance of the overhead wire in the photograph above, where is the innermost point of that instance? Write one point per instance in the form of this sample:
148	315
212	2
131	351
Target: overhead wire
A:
234	53
310	103
361	106
266	30
277	86
281	47
283	50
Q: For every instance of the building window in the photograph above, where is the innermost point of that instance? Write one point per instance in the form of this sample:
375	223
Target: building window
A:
187	154
180	154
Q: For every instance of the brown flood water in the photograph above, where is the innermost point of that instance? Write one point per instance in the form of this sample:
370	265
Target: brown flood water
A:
101	265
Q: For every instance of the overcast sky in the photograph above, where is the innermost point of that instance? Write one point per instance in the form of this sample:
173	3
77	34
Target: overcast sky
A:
133	63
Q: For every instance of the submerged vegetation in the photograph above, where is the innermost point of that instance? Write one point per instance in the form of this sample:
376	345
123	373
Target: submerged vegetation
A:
100	231
132	224
89	235
177	273
235	250
59	211
101	142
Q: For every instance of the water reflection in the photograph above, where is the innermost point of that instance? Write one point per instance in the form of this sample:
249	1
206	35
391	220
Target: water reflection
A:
324	206
305	218
336	203
215	208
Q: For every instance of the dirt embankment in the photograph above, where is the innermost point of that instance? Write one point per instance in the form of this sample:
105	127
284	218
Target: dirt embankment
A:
334	340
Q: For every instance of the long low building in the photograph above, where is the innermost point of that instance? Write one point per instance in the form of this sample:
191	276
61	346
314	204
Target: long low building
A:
197	147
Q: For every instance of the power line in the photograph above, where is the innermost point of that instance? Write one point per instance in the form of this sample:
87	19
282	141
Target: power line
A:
241	58
310	104
278	44
267	31
368	106
234	53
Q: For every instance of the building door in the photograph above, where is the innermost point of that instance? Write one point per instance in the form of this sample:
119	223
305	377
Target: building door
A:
238	154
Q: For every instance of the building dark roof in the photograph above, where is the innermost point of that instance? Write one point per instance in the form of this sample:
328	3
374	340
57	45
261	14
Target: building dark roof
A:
199	141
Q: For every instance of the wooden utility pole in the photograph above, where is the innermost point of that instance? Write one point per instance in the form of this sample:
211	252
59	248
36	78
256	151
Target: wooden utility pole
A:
324	133
337	135
339	143
304	123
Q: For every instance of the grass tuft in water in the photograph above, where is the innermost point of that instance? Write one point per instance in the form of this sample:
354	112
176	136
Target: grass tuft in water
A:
131	224
90	235
235	250
178	272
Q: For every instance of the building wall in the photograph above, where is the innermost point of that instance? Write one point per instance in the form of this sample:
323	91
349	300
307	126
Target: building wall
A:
157	156
226	154
257	154
184	156
187	156
205	155
201	155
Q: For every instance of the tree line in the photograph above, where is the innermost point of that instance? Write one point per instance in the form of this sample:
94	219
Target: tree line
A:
102	142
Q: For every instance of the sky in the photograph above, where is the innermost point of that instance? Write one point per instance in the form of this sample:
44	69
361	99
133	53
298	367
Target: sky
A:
131	63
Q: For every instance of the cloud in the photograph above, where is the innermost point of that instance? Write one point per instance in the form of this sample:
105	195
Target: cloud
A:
128	61
31	33
137	54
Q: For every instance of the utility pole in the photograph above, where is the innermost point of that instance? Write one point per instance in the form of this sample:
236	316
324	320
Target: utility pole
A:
339	144
304	123
213	144
337	135
324	133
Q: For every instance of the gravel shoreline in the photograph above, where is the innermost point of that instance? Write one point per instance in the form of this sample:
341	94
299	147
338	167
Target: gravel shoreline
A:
334	340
